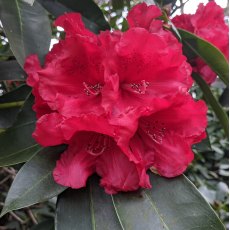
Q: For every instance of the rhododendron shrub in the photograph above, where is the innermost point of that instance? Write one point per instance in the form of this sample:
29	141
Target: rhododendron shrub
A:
207	23
109	118
119	100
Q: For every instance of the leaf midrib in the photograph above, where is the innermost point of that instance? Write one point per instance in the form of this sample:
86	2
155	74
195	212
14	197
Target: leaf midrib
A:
153	205
12	203
21	29
156	210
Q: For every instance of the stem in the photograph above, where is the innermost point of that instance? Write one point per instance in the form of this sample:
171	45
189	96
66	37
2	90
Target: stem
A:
11	104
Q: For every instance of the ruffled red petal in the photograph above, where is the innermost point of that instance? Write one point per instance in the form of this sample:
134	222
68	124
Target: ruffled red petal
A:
91	152
87	122
172	157
185	117
48	130
32	66
118	173
143	16
75	164
73	25
168	134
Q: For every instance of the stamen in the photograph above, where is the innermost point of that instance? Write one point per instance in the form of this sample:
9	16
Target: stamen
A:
92	89
155	130
137	87
98	144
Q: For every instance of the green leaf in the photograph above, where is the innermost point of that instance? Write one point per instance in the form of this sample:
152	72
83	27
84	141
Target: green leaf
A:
92	16
34	182
8	115
172	204
88	208
211	100
208	52
24	146
26	27
11	70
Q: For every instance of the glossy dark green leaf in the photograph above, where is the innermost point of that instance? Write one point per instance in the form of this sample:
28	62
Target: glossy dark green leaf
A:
18	94
26	27
34	182
8	115
91	13
209	53
211	100
20	134
88	208
11	70
172	204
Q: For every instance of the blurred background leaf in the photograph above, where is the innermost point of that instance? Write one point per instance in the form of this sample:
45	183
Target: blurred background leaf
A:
22	25
24	146
27	190
91	13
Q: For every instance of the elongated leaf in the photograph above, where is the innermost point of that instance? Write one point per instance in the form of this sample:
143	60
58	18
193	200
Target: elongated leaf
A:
211	100
18	94
34	182
91	13
208	52
8	114
24	146
11	70
26	27
89	208
172	204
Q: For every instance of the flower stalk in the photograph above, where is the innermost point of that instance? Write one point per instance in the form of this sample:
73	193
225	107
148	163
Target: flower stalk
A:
11	104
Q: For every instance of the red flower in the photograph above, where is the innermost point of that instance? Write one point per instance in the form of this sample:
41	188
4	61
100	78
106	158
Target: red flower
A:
90	152
145	16
208	23
164	138
94	91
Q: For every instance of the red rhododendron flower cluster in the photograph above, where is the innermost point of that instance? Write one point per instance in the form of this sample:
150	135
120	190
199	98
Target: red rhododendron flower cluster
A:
207	23
119	100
